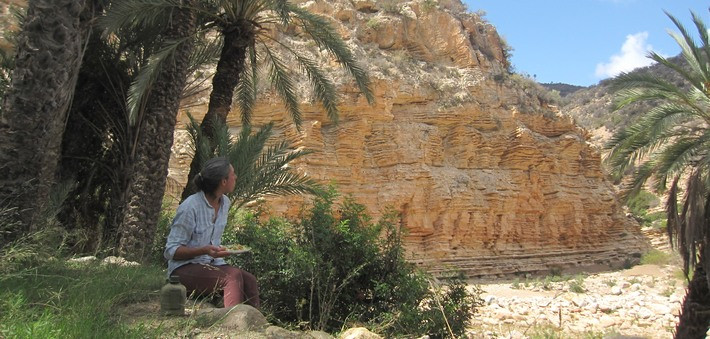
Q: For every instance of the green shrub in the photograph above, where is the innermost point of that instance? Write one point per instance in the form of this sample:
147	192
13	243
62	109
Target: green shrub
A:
577	285
336	266
162	229
656	257
641	202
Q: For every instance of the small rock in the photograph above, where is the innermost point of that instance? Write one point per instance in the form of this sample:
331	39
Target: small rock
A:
579	302
280	333
359	333
82	259
111	260
318	335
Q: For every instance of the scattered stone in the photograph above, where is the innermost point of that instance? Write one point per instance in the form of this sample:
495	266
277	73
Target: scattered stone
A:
244	318
359	333
82	260
111	260
281	333
318	335
644	310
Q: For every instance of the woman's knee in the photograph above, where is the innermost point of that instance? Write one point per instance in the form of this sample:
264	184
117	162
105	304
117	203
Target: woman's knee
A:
248	276
232	273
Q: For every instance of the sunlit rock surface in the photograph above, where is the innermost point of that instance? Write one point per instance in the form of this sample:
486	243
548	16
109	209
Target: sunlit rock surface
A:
488	178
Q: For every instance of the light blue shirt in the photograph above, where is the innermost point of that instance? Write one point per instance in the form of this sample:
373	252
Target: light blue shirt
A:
193	227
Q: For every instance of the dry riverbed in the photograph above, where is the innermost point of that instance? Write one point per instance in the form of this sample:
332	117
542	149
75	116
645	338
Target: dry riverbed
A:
642	301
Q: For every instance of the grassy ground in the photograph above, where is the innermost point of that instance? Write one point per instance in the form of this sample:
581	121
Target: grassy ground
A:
56	299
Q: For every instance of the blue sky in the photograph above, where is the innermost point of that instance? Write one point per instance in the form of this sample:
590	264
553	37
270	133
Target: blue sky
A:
581	42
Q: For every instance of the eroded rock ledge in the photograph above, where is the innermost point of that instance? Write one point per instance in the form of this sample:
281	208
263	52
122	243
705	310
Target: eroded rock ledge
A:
487	177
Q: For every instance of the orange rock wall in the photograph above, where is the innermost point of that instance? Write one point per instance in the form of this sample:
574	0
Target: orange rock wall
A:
492	183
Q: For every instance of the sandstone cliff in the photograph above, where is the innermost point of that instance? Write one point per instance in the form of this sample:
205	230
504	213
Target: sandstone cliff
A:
487	177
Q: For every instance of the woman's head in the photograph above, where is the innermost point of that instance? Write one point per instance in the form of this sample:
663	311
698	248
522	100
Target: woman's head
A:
213	172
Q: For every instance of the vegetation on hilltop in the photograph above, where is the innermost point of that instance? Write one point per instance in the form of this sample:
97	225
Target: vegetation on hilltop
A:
591	106
562	88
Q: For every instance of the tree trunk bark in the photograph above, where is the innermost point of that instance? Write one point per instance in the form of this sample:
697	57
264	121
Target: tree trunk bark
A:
694	319
152	149
224	82
49	53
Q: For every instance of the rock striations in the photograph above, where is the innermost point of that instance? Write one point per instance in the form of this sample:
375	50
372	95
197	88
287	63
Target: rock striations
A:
488	178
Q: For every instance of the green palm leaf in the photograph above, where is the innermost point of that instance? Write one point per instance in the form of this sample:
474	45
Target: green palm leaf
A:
137	14
320	30
246	89
671	140
283	84
140	87
259	172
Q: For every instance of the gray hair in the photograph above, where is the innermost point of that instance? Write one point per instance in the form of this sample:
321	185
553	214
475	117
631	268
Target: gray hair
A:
212	174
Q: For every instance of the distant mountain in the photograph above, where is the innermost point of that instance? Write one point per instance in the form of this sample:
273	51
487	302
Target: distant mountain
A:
562	88
591	107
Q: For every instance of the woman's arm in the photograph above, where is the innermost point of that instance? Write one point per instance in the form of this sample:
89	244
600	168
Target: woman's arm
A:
184	252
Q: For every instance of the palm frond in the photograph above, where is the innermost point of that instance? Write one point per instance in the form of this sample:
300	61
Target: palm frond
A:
674	226
627	147
693	215
199	143
282	11
320	30
678	156
221	138
688	46
272	176
638	180
323	88
633	87
143	82
246	89
136	14
245	152
704	36
690	77
265	172
205	52
283	84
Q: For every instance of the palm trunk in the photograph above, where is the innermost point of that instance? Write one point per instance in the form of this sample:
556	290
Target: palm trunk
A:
694	319
143	199
224	82
49	53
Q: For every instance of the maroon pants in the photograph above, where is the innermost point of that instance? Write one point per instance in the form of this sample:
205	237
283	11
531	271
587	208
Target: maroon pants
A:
238	286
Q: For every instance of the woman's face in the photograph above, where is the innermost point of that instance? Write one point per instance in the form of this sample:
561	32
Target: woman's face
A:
231	180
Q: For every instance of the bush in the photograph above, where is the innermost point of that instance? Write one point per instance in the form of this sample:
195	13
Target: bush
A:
162	230
641	202
336	267
655	257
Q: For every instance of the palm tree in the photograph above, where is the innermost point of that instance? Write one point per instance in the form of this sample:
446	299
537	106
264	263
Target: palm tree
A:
260	171
155	122
49	53
671	144
246	28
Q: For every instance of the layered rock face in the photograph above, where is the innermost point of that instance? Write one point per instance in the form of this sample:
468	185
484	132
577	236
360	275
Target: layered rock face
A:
487	178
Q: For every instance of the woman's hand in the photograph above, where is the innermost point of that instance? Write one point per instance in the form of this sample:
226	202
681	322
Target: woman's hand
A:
216	251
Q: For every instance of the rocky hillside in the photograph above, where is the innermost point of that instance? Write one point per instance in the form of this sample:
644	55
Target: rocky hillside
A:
592	107
488	177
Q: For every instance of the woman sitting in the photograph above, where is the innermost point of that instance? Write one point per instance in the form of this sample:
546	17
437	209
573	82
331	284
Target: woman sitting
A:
193	247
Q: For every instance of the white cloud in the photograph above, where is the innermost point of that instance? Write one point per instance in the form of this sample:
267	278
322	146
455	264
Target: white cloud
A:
633	55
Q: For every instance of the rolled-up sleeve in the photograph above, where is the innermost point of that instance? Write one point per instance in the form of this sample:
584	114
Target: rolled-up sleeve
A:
180	231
